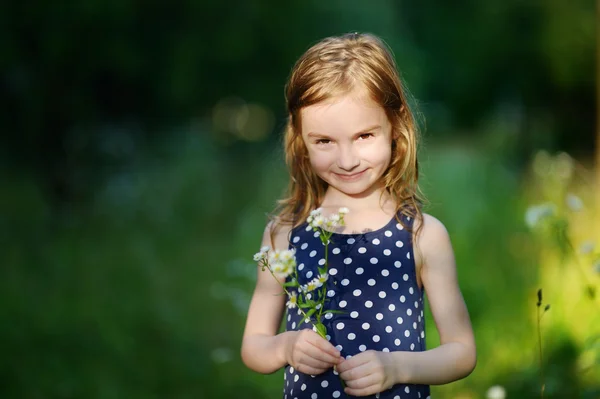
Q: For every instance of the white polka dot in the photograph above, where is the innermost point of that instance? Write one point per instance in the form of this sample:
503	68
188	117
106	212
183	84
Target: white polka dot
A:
347	261
312	253
400	320
328	337
376	338
308	228
316	234
354	314
339	326
304	246
351	336
385	350
348	357
397	342
387	252
399	244
343	304
335	251
356	292
392	307
369	304
360	271
385	272
291	370
328	315
303	387
362	250
388	233
309	274
409	312
398	264
379	316
395	285
350	240
362	348
399	226
422	334
415	325
402	298
330	293
407	389
345	282
408	255
405	277
416	305
376	241
374	261
333	271
411	291
407	333
371	282
382	294
301	266
321	262
314	396
296	378
339	347
388	329
289	317
366	326
336	394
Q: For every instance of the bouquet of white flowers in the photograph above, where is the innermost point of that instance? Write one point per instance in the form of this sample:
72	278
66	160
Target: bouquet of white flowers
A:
310	298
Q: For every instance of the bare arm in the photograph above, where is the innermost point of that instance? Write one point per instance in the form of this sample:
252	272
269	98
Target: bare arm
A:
455	358
262	348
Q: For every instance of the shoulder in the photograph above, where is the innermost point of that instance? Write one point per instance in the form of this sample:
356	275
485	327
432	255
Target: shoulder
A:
277	234
431	238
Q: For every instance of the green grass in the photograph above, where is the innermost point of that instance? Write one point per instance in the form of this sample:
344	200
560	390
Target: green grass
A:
143	294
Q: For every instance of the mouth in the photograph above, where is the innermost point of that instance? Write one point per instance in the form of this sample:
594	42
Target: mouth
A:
349	177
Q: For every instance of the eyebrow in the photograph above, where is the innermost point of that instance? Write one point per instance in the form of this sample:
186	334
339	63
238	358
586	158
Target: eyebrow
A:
366	130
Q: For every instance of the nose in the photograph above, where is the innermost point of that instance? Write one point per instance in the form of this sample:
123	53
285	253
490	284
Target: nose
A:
347	158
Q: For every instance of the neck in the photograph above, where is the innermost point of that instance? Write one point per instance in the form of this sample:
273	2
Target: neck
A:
376	198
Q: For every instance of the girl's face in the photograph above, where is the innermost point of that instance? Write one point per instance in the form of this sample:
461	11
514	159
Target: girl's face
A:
349	142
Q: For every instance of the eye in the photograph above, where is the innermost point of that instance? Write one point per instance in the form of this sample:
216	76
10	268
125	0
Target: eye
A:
364	136
323	141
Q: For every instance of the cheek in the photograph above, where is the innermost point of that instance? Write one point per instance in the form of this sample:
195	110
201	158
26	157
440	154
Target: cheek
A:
320	161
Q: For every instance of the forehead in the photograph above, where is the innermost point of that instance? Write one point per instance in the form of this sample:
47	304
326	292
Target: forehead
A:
344	114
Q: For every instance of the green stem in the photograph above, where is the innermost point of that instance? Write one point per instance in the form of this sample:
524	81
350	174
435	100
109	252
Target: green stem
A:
539	317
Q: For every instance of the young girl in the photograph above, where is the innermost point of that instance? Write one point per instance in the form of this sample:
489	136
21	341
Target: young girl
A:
351	141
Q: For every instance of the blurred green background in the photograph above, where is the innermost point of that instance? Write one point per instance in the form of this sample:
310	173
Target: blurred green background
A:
141	153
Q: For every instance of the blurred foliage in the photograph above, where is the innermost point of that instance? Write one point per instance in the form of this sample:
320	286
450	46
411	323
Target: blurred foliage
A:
140	154
86	85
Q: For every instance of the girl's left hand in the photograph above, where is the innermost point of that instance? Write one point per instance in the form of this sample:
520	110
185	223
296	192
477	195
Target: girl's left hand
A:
367	373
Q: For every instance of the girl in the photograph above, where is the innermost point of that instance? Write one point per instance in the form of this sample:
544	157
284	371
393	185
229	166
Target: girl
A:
351	141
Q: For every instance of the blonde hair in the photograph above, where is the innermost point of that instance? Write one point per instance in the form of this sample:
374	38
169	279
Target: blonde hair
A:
333	67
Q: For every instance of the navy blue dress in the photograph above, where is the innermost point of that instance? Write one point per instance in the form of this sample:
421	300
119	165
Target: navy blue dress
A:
372	279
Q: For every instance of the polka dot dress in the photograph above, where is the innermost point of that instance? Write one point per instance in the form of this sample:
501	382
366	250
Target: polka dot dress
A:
372	280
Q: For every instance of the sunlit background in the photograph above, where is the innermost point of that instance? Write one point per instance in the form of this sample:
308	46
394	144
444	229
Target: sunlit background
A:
141	153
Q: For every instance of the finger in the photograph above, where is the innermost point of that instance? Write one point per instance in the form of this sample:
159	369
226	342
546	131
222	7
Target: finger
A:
306	369
324	346
356	373
363	382
318	351
354	361
308	360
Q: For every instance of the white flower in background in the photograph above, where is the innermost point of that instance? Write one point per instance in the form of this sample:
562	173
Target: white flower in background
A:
564	165
541	163
587	248
291	304
316	220
536	213
496	392
282	263
221	355
574	202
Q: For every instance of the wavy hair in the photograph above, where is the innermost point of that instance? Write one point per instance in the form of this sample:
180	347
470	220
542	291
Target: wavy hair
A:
333	67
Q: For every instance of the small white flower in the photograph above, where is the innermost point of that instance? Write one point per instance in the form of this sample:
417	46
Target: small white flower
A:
315	212
323	278
266	248
258	256
587	248
311	286
496	392
564	165
574	202
536	213
343	211
291	304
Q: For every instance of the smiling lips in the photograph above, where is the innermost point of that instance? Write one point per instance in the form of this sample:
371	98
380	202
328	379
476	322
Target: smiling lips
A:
351	177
